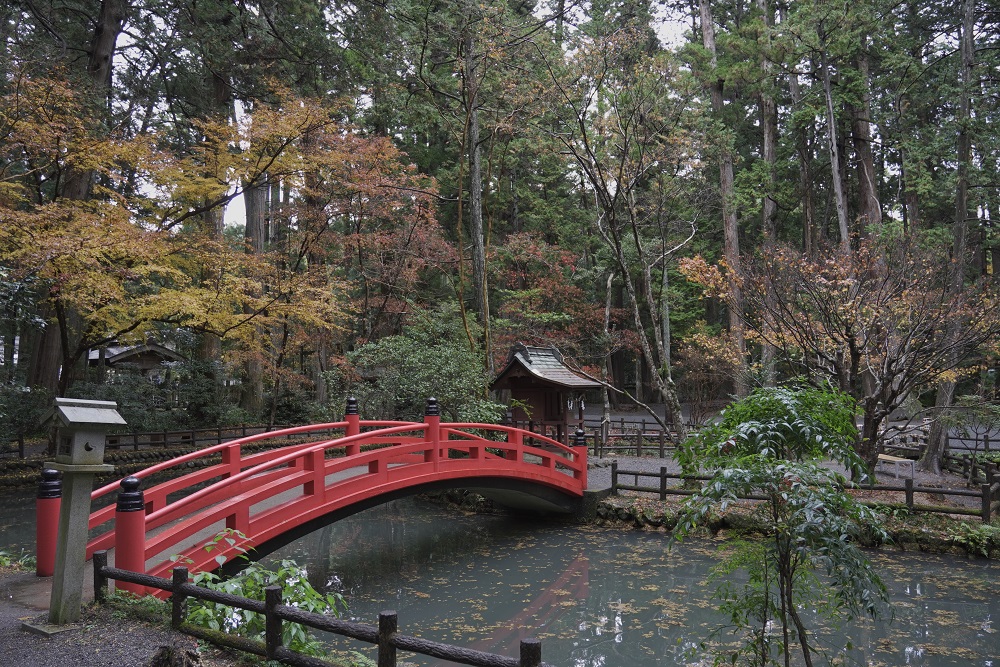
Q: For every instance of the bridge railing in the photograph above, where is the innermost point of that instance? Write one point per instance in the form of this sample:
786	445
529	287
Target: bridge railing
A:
231	462
385	635
262	495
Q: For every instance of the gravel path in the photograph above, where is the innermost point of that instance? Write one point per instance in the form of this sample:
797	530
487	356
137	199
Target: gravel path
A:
104	637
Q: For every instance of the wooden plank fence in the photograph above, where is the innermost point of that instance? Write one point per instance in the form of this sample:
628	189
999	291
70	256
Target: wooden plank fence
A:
385	635
988	492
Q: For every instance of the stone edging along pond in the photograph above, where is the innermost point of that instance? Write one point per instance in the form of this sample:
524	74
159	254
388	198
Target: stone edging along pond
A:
929	533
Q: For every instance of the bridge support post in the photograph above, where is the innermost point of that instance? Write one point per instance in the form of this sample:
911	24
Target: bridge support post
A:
580	451
432	434
47	504
353	420
130	533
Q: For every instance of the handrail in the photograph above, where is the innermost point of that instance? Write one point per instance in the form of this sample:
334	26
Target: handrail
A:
214	449
281	460
385	636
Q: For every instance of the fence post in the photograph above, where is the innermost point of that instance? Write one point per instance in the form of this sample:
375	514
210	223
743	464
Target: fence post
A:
531	653
272	623
100	581
638	441
663	442
177	596
47	503
614	477
130	533
387	626
987	502
908	485
663	482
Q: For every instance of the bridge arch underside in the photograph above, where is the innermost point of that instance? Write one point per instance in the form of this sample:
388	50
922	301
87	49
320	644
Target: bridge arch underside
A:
514	494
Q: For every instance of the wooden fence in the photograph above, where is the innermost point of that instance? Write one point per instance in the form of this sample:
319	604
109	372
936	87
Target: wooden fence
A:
194	438
968	467
385	635
988	492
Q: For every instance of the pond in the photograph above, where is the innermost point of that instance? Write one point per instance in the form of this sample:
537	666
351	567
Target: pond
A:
601	597
596	597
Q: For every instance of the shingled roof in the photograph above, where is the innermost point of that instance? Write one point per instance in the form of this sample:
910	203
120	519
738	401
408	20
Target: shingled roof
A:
543	363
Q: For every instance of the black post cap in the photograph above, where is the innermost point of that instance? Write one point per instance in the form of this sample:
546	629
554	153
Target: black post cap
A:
50	486
433	409
130	498
580	438
352	406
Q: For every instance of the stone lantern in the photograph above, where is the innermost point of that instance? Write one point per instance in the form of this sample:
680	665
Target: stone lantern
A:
81	427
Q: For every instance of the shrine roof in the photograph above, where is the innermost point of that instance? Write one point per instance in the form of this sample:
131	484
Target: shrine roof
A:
542	363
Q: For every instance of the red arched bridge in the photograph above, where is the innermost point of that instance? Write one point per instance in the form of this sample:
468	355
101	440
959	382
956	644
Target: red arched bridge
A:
277	495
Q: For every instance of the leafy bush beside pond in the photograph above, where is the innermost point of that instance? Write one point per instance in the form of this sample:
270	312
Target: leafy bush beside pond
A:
768	446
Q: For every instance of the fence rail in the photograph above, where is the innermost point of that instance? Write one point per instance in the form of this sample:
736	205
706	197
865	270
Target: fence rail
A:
385	635
988	493
195	438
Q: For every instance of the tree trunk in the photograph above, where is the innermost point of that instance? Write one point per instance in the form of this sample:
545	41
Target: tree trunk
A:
46	353
868	200
49	368
946	389
769	152
810	234
255	197
480	298
730	223
840	198
110	22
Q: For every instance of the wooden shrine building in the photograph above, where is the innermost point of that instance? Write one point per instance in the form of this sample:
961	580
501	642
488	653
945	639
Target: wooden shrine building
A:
543	391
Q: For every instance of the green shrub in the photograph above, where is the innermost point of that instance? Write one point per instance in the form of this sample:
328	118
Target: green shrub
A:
978	540
250	583
23	561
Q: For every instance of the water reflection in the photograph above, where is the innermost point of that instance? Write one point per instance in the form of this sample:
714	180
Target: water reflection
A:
608	598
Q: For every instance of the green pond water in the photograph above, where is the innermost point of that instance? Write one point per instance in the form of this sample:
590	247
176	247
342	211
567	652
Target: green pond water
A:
595	597
613	598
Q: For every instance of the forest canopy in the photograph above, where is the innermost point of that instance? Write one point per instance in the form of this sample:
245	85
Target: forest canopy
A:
689	200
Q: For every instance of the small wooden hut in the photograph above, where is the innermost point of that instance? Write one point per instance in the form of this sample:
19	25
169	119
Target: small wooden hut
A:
148	359
544	391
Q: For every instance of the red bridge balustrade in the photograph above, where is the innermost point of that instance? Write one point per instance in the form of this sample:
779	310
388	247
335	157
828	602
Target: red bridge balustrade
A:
274	496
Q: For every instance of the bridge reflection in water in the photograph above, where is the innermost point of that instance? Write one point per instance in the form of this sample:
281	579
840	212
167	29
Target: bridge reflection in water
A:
609	598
